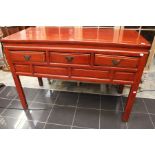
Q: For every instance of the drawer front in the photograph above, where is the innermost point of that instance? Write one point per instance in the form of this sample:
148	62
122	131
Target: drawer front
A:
124	76
116	61
90	73
22	68
70	58
27	56
51	70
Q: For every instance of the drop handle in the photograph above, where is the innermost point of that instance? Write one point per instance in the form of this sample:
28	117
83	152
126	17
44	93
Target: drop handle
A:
115	62
69	58
27	57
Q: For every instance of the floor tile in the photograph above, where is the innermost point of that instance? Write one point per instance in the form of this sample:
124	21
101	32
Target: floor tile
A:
37	115
55	126
76	127
150	103
9	92
30	93
62	115
139	121
1	110
153	118
111	120
40	115
8	123
46	96
1	88
17	104
38	105
67	98
89	101
3	104
24	124
111	103
138	106
86	118
18	114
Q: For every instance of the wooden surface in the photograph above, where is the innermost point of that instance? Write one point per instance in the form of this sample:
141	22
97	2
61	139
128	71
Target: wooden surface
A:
78	34
82	54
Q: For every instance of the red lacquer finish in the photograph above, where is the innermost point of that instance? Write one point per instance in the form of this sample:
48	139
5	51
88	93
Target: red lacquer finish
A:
78	35
116	61
70	58
100	55
25	56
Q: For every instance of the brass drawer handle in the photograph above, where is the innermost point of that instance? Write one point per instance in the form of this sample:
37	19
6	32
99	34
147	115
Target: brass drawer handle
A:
27	57
115	62
69	58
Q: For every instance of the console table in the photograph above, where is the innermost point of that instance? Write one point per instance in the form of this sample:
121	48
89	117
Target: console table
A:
100	55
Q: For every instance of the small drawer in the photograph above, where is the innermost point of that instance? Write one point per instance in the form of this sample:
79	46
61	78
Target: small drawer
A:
124	76
116	61
90	73
70	58
22	68
51	70
23	56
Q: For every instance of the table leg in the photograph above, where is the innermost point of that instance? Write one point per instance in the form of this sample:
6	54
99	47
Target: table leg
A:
20	91
2	85
129	103
40	80
134	88
120	89
49	81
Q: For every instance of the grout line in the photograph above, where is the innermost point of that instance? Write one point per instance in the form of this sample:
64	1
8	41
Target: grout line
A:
11	100
61	105
75	110
51	110
5	98
81	127
148	113
65	125
69	125
100	114
72	106
35	121
3	89
36	95
23	119
45	122
123	111
18	99
151	113
7	106
58	124
8	117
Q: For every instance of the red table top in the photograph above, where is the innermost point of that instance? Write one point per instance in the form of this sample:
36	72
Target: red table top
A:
78	34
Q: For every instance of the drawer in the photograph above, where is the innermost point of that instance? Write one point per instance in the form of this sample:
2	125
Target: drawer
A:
116	61
24	56
124	76
70	58
22	68
51	70
90	73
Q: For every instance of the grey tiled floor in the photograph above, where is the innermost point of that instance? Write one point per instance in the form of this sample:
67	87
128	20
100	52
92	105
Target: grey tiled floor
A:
65	110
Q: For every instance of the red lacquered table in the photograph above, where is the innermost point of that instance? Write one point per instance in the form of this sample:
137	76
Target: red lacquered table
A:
100	55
